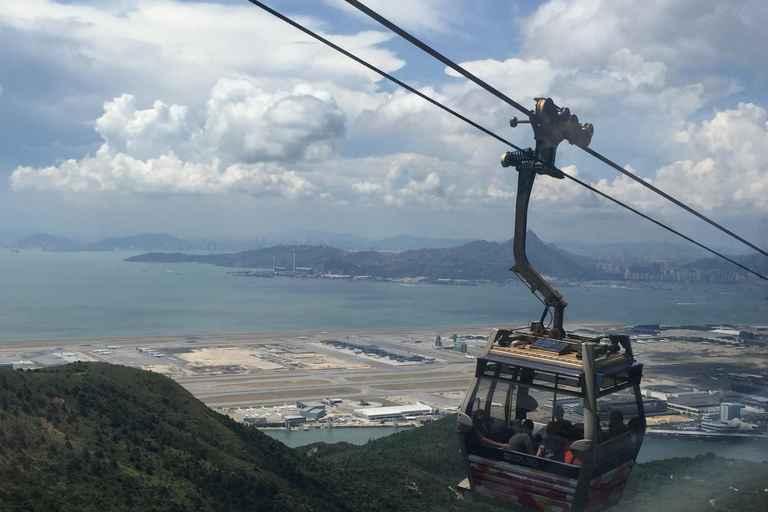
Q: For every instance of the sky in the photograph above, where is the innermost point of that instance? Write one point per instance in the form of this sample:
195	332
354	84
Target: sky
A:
214	119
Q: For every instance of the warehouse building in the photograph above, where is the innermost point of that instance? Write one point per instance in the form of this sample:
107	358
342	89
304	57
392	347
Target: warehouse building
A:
395	411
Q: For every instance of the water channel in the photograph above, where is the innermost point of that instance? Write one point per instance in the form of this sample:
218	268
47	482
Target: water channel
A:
653	449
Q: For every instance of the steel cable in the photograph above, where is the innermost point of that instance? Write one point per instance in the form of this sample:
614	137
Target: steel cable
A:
490	133
437	55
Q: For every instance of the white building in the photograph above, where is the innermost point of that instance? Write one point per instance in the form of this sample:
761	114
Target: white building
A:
395	411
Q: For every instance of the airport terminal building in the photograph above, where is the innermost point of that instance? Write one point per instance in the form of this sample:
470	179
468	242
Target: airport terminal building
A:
395	411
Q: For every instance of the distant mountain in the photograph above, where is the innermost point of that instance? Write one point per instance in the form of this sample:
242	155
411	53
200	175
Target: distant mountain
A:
143	242
352	242
656	250
406	242
166	242
478	260
47	242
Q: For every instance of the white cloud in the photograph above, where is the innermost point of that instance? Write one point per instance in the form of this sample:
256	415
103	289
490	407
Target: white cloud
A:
405	179
142	133
507	76
249	125
728	176
424	15
585	33
245	129
732	168
166	174
248	104
141	43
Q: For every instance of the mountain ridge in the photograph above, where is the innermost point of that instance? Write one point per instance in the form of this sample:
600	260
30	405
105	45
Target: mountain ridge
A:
476	260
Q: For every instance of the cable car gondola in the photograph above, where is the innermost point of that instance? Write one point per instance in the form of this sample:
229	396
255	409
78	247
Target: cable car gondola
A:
569	385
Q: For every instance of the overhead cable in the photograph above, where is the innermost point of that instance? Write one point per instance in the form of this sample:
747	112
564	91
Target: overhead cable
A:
434	53
488	132
439	56
672	199
380	72
694	242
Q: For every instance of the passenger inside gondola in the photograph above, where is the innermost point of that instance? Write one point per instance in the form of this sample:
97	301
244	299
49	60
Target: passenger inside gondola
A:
481	433
616	425
553	446
522	441
567	428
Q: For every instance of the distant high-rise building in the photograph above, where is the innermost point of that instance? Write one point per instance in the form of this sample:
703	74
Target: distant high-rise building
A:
730	411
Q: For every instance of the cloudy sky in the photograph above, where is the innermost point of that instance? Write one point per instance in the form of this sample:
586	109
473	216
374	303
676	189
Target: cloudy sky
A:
214	119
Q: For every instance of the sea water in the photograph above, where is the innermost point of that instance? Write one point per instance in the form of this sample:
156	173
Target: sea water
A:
49	295
652	449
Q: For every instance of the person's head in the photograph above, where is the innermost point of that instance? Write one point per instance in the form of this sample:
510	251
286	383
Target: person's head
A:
559	412
634	424
553	428
617	416
528	426
480	416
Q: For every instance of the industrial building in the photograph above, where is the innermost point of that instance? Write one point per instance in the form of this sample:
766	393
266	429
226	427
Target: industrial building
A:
311	410
748	383
369	349
395	411
676	395
293	419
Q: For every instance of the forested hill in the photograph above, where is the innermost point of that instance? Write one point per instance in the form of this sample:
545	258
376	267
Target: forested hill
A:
475	260
92	436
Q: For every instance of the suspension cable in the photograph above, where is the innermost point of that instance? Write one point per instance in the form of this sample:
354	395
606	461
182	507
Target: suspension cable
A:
439	56
671	230
490	133
434	53
381	72
672	199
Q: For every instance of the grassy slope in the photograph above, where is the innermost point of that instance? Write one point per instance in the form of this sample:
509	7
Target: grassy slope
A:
99	437
102	437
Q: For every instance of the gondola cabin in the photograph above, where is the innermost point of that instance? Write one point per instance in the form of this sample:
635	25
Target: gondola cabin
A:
564	397
573	383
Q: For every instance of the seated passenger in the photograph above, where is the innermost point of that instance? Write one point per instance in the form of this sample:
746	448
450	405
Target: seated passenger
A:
521	441
552	446
480	432
616	425
566	427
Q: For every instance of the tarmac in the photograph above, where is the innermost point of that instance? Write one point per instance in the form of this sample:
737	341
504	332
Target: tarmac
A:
260	370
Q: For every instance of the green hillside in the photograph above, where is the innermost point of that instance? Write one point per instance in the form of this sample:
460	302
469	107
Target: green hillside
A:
92	436
474	260
101	437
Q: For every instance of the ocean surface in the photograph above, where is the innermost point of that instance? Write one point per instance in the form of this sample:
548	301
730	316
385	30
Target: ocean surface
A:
48	295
